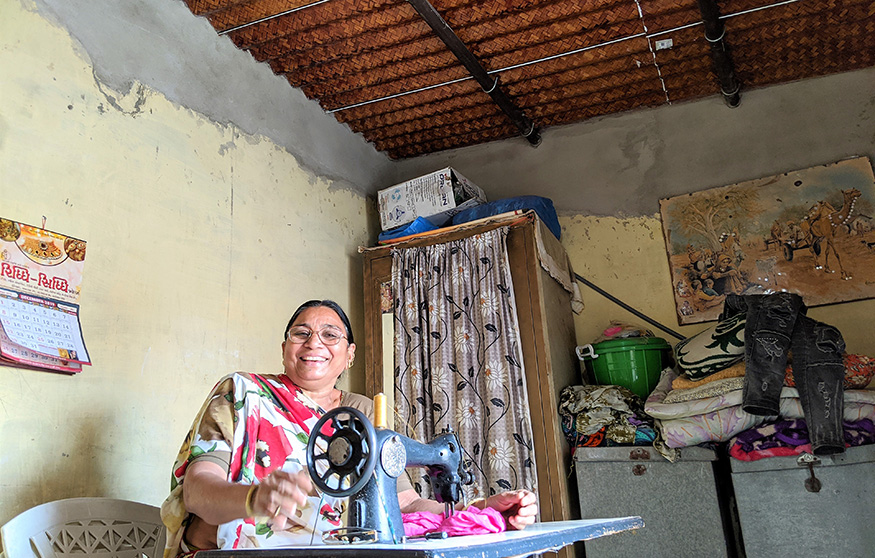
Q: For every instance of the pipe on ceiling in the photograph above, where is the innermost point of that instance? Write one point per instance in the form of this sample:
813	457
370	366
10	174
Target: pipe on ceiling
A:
715	31
488	83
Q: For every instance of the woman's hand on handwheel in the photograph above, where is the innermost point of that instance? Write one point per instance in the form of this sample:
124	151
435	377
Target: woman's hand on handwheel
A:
279	495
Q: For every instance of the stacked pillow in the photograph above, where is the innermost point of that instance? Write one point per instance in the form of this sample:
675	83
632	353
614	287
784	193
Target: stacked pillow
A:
722	345
713	349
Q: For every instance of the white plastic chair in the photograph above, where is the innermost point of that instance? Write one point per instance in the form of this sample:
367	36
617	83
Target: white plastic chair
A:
85	528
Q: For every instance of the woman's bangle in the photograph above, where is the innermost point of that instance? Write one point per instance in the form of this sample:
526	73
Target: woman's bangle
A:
250	496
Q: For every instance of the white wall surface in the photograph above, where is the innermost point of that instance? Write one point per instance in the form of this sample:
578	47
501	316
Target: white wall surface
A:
202	240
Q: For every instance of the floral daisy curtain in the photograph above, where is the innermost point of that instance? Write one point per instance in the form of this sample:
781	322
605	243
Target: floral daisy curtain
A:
458	360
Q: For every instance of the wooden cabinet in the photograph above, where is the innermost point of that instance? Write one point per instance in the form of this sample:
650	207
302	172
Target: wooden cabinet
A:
546	332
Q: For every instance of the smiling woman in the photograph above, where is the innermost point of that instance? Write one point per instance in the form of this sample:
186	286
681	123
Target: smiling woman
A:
315	362
240	476
240	479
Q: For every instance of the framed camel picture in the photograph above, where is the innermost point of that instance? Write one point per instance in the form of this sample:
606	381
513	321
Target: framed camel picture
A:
810	232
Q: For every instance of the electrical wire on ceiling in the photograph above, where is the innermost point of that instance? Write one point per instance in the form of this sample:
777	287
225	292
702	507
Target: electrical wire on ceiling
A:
653	53
498	71
556	62
270	17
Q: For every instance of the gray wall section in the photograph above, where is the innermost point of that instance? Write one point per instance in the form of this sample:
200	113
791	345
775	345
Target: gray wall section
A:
623	164
161	44
616	165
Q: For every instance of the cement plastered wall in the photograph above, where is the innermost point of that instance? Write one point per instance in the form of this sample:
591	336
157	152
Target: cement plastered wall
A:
202	239
626	257
160	44
623	164
606	177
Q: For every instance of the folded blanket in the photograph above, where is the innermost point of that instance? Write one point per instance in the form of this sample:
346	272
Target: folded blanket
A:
720	426
859	371
717	419
656	407
734	371
790	437
710	389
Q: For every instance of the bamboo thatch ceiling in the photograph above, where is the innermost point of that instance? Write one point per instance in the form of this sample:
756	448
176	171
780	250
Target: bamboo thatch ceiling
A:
377	66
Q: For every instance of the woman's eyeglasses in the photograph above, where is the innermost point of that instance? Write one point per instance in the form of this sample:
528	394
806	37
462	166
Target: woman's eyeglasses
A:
328	336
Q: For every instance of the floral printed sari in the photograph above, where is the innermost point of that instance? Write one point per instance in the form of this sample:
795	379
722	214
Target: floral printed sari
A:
252	424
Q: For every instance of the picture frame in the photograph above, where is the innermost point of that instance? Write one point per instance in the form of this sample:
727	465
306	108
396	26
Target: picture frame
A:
810	231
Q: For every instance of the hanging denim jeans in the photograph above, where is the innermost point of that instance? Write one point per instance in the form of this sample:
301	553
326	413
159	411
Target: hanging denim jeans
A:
776	324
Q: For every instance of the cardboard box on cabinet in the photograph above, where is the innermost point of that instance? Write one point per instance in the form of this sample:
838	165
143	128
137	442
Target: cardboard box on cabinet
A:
436	196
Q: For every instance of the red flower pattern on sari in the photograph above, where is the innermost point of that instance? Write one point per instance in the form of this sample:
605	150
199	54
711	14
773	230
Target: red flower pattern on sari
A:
237	539
271	448
330	515
243	456
181	471
271	420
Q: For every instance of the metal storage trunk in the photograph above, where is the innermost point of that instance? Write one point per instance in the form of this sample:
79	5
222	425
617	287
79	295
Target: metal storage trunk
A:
781	516
677	501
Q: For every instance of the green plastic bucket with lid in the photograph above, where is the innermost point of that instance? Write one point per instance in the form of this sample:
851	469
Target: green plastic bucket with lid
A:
634	362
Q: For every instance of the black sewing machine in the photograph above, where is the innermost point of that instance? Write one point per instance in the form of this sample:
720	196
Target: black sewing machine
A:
364	462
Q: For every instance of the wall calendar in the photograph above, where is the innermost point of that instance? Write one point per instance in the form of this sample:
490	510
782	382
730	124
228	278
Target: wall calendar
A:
40	284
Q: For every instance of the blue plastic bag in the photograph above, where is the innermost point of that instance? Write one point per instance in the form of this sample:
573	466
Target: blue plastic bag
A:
419	225
542	206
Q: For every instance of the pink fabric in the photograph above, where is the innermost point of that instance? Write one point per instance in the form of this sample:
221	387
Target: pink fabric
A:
417	524
472	521
738	453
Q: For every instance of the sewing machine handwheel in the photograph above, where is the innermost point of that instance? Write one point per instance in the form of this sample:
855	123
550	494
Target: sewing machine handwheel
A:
350	453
